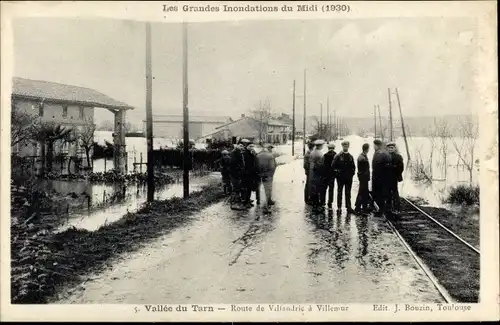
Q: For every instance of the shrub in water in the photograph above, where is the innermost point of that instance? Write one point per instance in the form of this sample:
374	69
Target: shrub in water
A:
464	194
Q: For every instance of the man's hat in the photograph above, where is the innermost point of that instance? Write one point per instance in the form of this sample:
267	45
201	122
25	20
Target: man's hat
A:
391	144
345	142
245	141
331	145
319	142
377	142
225	152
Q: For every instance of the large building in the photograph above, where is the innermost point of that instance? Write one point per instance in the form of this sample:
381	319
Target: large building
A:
171	126
65	105
272	131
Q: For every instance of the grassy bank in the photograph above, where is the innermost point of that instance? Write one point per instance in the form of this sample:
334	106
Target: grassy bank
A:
454	265
41	262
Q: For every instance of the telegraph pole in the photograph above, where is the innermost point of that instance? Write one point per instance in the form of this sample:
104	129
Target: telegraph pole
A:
390	115
403	125
320	119
380	123
304	126
149	115
328	119
185	111
293	121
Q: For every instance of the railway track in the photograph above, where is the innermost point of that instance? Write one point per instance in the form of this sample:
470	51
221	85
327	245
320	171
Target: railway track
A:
443	292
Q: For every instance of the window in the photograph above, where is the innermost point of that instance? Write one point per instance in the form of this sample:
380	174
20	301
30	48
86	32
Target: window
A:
40	109
81	112
65	111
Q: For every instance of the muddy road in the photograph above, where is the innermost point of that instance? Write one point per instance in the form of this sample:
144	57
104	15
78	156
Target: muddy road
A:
289	256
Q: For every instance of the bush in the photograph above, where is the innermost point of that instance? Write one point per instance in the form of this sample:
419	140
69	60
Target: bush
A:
463	194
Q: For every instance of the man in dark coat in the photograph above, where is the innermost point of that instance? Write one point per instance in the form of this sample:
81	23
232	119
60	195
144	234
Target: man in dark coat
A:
254	181
225	170
381	169
361	205
307	187
396	176
236	173
343	164
249	173
329	175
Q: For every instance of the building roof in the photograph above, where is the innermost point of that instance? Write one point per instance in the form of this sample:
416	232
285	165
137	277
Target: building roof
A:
192	118
275	122
38	89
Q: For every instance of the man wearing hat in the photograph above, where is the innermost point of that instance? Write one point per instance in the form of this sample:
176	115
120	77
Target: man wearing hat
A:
329	175
249	173
307	187
381	169
237	173
343	164
361	205
316	174
266	166
225	163
396	175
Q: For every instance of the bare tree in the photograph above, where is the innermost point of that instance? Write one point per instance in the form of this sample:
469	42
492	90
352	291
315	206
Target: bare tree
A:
23	126
444	135
47	134
262	113
105	125
86	139
469	129
430	134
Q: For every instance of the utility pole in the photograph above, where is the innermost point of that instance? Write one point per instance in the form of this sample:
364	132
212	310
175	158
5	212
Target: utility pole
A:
293	121
403	125
390	115
335	129
375	120
304	126
328	119
185	111
149	115
321	120
380	123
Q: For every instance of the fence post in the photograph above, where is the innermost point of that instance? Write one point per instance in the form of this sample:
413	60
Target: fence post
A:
141	164
104	163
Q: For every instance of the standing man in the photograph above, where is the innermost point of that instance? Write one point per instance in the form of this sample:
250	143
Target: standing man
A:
329	175
225	164
343	164
266	166
361	205
381	169
236	173
307	187
316	175
396	176
253	174
249	173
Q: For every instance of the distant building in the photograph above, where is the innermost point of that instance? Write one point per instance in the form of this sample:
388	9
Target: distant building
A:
65	105
171	126
274	131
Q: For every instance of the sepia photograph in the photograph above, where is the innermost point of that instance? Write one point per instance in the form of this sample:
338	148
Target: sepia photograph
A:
269	161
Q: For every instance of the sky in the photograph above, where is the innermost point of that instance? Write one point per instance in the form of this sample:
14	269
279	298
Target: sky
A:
234	65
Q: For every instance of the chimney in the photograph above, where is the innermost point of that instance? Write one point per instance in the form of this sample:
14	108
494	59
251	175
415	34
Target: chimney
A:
242	115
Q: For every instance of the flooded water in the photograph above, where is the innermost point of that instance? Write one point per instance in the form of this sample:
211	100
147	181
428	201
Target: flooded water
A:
101	204
290	256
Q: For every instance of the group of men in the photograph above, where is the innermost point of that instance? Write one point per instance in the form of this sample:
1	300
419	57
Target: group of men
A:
324	170
244	170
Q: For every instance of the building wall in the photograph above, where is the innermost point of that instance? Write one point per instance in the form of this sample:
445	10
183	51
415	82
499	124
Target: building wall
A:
168	130
75	116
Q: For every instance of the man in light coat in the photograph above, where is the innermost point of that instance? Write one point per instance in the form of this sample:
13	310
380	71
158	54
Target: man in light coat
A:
307	187
266	166
316	171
